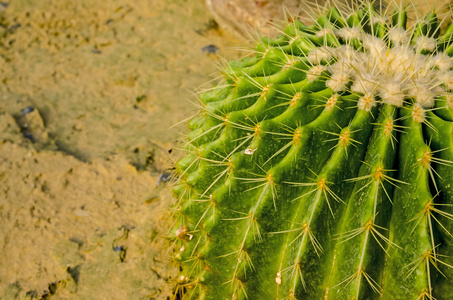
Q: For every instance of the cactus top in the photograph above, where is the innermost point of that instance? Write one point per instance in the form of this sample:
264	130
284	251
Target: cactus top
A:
391	71
393	67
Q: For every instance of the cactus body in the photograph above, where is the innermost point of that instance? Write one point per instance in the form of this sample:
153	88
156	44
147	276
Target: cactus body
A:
322	167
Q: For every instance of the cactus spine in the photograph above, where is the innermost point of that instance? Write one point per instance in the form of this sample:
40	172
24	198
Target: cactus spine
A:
322	167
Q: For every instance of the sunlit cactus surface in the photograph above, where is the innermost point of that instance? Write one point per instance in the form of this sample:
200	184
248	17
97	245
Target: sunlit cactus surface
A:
322	166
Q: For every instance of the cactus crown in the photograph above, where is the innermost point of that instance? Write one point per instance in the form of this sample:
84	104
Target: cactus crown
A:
322	167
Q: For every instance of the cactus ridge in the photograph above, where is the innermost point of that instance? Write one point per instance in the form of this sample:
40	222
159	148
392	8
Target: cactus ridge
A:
321	168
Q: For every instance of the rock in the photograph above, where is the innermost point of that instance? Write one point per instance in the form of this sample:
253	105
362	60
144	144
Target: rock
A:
32	125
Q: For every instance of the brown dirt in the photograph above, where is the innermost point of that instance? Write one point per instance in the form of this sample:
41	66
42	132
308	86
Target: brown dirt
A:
82	212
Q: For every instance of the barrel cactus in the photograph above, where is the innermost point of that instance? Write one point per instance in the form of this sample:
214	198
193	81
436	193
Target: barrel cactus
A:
322	166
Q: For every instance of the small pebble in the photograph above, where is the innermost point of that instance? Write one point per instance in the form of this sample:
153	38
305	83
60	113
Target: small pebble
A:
164	178
15	26
210	49
118	248
27	110
29	136
96	51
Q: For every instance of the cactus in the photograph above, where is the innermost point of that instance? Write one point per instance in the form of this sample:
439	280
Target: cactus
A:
321	168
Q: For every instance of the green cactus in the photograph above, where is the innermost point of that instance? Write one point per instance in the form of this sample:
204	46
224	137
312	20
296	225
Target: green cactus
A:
322	167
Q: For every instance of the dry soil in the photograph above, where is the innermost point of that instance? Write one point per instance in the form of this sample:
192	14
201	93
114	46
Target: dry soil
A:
89	91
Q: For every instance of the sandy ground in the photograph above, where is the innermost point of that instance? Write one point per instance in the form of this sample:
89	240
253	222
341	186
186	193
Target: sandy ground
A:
88	93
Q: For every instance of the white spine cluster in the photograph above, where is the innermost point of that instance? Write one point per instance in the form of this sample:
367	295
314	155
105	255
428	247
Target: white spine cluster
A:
398	36
441	61
394	69
425	43
320	54
315	72
348	33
